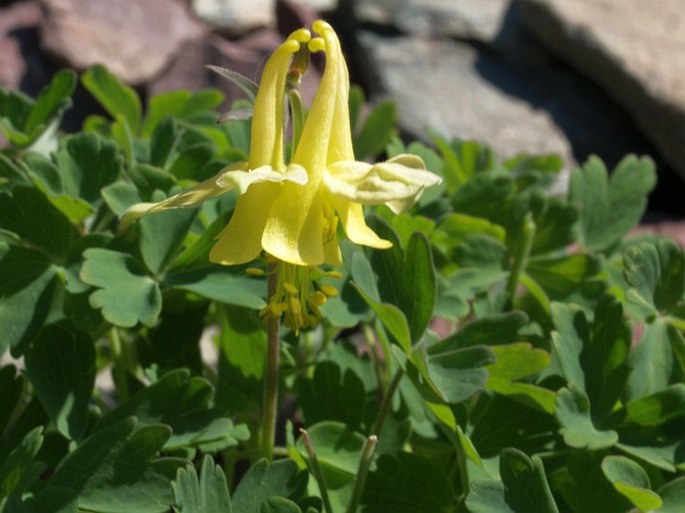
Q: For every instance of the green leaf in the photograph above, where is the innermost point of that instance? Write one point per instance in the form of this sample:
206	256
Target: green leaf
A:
503	422
656	272
28	282
126	294
11	173
87	163
462	160
279	505
572	332
11	384
243	341
23	120
175	341
486	195
61	368
605	357
585	488
456	374
148	179
184	105
631	481
514	362
331	396
15	108
673	496
119	100
392	319
15	470
480	251
120	195
183	403
553	217
30	215
664	454
51	102
48	179
561	276
657	408
377	131
573	413
191	160
499	329
609	207
220	284
114	470
488	496
406	277
209	494
523	489
407	483
457	226
281	478
652	361
162	235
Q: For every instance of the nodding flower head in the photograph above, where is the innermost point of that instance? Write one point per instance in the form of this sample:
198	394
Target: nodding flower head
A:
294	212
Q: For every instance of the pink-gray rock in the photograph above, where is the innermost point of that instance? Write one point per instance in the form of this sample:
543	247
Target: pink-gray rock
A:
18	37
634	49
135	39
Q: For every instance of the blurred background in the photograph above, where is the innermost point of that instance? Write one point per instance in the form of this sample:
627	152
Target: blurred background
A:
573	77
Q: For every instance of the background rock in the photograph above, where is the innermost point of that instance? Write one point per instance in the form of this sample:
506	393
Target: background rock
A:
436	85
136	40
469	19
22	64
634	49
234	15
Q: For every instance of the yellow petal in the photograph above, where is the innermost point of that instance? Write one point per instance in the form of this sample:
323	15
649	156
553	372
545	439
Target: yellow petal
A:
354	224
268	112
241	241
312	150
294	228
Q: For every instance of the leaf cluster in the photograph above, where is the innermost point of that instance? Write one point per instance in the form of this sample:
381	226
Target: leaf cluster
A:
516	350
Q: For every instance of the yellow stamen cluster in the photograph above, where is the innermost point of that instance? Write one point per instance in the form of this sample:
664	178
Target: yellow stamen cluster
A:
298	295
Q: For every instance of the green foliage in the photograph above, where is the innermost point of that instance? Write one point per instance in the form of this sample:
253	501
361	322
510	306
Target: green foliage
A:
514	351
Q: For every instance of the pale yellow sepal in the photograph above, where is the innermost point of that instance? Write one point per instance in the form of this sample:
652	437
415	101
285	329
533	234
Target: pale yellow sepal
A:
215	186
397	182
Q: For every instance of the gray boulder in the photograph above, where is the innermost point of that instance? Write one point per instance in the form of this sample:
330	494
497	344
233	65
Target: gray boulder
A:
437	85
634	49
469	19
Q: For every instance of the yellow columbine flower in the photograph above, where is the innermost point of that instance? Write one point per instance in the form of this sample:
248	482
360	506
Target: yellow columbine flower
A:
292	212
